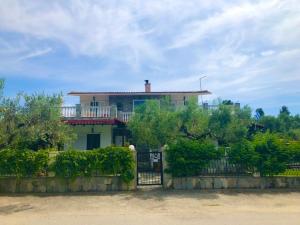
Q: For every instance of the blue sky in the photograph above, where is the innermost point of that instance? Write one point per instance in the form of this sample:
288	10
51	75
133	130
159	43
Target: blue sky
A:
249	50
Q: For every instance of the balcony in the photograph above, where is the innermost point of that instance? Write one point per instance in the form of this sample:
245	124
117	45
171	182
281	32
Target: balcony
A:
102	112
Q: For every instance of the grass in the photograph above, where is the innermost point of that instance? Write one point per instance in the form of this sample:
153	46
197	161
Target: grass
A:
291	172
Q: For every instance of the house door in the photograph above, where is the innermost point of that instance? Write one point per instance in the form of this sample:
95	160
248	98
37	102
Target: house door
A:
92	141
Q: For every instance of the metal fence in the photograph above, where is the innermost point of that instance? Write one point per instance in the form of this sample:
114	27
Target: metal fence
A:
223	167
294	166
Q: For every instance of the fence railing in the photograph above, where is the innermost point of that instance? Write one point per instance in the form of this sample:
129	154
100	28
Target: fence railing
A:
223	167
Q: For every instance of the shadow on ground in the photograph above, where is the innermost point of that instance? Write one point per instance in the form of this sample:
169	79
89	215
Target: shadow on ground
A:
158	193
14	208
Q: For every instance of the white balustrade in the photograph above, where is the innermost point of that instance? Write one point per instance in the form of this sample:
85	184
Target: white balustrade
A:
125	116
94	112
68	111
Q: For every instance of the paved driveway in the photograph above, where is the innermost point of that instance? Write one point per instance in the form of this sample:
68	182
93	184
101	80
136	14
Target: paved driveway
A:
154	207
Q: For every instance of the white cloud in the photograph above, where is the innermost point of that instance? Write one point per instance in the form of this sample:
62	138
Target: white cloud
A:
249	50
36	53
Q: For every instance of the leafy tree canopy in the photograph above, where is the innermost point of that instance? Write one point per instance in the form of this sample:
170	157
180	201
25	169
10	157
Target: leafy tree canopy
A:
33	122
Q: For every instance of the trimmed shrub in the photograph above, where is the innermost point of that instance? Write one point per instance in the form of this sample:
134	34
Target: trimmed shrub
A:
107	161
294	151
273	154
23	163
243	154
188	157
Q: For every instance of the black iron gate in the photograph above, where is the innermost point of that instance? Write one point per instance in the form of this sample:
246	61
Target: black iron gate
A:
149	168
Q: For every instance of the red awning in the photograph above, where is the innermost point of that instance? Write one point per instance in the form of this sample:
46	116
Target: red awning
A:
94	122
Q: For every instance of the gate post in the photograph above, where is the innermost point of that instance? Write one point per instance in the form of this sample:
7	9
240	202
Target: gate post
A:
133	151
167	178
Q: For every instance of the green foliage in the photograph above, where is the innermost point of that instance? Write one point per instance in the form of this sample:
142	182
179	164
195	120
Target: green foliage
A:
294	150
259	113
23	163
107	161
188	157
290	173
243	153
229	124
193	119
34	124
153	124
273	154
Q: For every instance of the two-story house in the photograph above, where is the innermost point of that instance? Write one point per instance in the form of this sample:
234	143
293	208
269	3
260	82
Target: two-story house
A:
100	117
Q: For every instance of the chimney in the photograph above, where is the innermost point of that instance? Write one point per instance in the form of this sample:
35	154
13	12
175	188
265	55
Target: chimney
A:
147	86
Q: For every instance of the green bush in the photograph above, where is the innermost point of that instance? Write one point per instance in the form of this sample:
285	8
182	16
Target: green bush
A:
294	151
23	163
243	154
273	154
107	161
189	157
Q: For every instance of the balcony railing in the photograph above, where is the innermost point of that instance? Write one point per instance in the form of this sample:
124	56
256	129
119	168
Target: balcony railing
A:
124	116
109	112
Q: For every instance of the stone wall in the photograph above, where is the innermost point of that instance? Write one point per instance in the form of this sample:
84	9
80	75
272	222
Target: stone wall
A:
190	183
59	185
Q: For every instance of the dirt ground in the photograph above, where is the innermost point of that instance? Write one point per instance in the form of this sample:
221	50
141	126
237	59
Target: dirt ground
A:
146	207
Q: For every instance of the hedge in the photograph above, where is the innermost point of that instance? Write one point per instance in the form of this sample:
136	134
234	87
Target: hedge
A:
189	157
68	164
23	163
267	154
106	161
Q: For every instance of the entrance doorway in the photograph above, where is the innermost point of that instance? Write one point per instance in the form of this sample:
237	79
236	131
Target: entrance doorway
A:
149	168
92	141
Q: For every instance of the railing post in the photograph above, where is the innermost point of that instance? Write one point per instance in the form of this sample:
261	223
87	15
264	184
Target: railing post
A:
167	178
134	181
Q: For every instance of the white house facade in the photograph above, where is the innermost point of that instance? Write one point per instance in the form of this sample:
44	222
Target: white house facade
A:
100	118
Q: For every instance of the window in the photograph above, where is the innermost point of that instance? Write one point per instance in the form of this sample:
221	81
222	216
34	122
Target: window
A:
137	103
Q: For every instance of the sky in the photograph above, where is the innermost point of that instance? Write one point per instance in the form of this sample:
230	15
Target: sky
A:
249	51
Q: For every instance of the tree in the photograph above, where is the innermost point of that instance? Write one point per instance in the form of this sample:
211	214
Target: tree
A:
33	122
273	153
153	125
229	124
193	120
270	123
227	102
43	127
244	155
259	113
284	110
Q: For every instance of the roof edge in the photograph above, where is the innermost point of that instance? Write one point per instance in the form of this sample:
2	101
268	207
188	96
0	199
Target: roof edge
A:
78	93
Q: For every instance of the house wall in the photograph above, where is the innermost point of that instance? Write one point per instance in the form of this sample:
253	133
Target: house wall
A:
127	101
246	182
105	132
64	185
86	99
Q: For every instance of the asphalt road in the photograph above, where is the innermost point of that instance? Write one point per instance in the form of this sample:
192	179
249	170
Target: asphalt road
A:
156	207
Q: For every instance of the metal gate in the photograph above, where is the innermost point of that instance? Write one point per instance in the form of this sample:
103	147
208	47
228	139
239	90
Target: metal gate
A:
149	168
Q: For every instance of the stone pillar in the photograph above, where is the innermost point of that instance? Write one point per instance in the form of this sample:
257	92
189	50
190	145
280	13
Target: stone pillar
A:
167	178
134	182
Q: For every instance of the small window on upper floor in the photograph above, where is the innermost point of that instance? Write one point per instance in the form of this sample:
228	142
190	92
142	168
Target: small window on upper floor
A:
137	103
120	106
